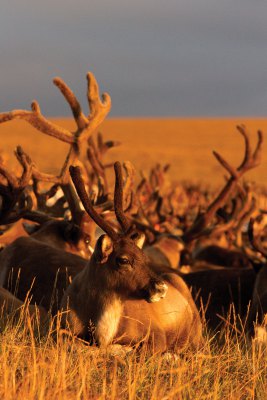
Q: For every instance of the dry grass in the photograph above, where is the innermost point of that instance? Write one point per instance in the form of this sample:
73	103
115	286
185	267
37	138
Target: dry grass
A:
40	368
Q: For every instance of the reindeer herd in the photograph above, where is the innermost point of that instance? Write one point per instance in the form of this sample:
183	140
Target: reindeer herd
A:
149	261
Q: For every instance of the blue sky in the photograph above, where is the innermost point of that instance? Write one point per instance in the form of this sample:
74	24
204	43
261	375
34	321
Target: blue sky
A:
155	58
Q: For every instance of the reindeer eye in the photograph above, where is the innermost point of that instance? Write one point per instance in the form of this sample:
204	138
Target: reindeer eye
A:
87	240
122	261
134	236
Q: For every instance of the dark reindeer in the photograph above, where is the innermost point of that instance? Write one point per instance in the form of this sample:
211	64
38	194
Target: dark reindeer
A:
29	267
14	311
117	298
257	318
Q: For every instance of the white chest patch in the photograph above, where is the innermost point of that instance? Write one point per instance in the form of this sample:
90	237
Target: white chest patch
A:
107	325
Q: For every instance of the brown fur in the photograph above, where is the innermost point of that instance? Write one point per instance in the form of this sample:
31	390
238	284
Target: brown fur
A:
57	233
9	235
29	264
112	300
218	289
67	236
13	310
225	257
258	309
165	251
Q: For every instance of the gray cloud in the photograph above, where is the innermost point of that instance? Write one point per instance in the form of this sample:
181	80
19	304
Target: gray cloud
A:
194	57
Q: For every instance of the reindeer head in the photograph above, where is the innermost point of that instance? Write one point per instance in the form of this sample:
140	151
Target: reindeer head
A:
118	262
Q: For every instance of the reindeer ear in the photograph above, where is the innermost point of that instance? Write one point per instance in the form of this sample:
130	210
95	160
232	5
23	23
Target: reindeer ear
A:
138	238
103	248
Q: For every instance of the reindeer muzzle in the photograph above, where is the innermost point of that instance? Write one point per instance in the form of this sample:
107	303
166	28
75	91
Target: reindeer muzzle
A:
157	291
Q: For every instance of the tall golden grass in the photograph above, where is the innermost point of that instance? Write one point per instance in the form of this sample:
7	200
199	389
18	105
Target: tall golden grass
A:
35	367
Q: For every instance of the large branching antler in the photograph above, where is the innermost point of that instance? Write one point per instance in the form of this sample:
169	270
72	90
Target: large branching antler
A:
14	197
250	160
61	180
17	193
86	125
243	205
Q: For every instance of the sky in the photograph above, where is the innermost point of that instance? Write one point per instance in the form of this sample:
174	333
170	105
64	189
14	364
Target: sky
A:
155	58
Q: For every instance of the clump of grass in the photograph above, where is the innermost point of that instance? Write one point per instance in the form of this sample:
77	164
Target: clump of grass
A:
38	367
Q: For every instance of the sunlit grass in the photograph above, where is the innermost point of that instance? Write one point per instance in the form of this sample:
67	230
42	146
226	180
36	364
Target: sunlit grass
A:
36	367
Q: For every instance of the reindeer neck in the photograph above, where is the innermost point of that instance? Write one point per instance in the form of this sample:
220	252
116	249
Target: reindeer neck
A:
104	305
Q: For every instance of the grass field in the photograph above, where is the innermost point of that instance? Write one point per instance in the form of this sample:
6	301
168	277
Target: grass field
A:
38	368
41	369
186	144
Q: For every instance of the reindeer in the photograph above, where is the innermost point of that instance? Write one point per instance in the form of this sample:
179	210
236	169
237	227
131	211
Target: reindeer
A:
12	310
234	255
170	249
28	265
218	291
166	250
257	318
217	287
118	298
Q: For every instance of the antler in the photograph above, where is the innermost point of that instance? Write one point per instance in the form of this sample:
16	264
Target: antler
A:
61	180
129	199
125	223
14	193
251	160
255	239
95	154
158	175
76	177
118	198
85	125
249	205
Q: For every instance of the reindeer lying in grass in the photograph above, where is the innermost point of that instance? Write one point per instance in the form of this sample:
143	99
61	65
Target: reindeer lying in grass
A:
118	299
257	318
13	311
28	265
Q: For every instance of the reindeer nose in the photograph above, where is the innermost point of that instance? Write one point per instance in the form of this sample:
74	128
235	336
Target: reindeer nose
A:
158	292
